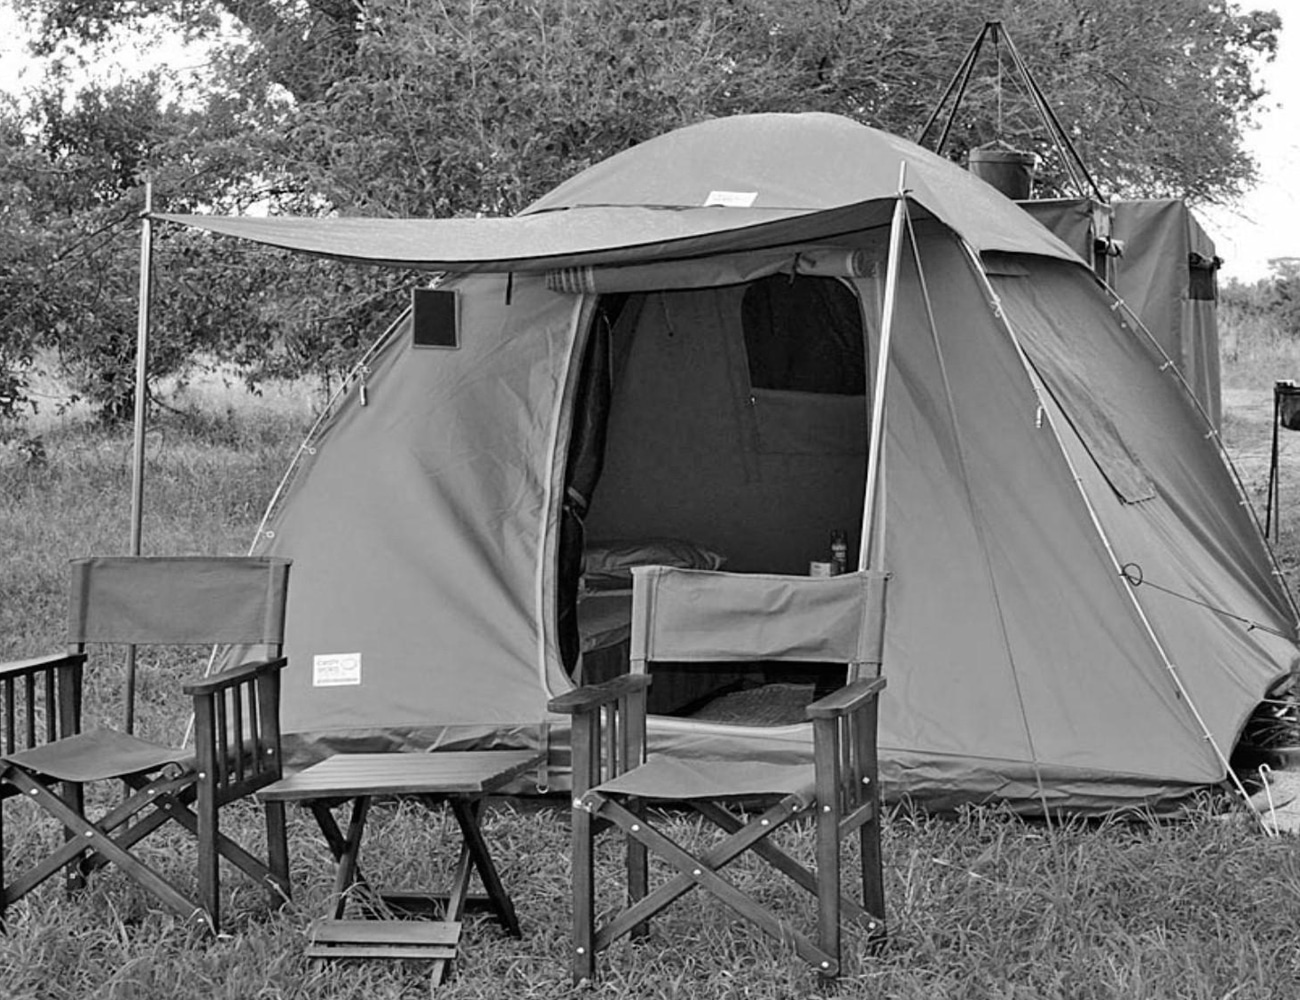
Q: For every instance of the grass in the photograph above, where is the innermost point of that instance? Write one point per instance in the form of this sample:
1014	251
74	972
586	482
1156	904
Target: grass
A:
981	905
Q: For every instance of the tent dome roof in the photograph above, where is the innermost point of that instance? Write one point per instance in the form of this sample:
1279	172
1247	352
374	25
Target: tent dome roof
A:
807	162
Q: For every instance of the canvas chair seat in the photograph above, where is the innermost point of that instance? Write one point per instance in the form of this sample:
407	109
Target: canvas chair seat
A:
48	760
702	617
97	755
665	778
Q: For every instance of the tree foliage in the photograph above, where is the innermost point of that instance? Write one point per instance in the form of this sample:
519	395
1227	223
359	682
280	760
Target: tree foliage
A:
62	259
1281	294
446	107
1156	93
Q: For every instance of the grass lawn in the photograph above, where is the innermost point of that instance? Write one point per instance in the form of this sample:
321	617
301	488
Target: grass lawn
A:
982	904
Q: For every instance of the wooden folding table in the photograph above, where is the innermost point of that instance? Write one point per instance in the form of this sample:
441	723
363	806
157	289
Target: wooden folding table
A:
462	779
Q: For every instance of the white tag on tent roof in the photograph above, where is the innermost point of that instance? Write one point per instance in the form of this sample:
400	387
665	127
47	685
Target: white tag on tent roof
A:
731	199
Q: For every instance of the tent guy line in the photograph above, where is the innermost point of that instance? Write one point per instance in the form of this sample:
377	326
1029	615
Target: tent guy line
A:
1132	572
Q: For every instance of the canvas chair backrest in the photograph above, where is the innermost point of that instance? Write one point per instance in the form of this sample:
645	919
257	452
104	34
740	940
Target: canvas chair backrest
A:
701	616
178	600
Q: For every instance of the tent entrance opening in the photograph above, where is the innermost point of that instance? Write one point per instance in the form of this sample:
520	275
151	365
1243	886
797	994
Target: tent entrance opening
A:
724	427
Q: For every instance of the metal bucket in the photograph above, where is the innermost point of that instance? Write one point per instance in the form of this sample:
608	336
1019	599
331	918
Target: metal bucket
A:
1011	171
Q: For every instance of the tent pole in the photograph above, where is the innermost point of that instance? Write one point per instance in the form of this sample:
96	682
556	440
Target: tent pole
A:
869	556
960	80
137	453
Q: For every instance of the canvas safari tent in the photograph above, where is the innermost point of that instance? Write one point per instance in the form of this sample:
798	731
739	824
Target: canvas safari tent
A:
1162	264
674	357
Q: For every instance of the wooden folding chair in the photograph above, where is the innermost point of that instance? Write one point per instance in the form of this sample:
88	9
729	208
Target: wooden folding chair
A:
704	617
47	759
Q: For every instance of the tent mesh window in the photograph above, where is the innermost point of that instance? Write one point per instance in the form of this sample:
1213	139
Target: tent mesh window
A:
804	334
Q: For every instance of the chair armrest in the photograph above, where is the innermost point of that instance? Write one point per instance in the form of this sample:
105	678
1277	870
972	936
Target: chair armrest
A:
595	696
36	664
847	699
235	675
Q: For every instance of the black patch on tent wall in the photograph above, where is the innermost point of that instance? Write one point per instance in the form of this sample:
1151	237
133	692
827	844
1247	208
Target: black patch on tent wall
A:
435	318
1202	274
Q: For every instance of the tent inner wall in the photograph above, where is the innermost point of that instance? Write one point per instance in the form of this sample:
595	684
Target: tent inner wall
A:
696	452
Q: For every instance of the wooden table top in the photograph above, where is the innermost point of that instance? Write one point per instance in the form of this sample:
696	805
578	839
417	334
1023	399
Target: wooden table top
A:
452	772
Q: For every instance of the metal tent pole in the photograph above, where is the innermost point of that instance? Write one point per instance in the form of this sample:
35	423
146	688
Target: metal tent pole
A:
137	454
960	80
1273	499
870	555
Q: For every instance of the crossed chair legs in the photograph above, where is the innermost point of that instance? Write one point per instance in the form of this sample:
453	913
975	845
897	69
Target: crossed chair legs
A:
151	802
823	951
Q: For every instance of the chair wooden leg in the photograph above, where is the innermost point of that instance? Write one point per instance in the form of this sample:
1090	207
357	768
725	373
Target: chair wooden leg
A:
77	870
584	904
638	872
4	891
277	854
873	877
208	856
828	886
829	758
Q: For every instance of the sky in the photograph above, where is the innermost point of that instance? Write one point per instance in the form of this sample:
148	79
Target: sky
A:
18	69
1265	224
12	59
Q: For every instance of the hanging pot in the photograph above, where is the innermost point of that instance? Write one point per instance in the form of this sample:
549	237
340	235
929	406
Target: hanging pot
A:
1011	171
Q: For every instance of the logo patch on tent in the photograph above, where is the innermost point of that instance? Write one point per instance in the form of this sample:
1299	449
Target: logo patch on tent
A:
731	199
336	669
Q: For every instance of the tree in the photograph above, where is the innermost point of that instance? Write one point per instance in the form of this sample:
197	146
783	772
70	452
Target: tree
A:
70	171
417	108
496	101
63	222
300	45
1282	295
1157	93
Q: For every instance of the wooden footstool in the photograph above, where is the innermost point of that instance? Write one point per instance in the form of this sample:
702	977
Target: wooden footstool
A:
462	780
